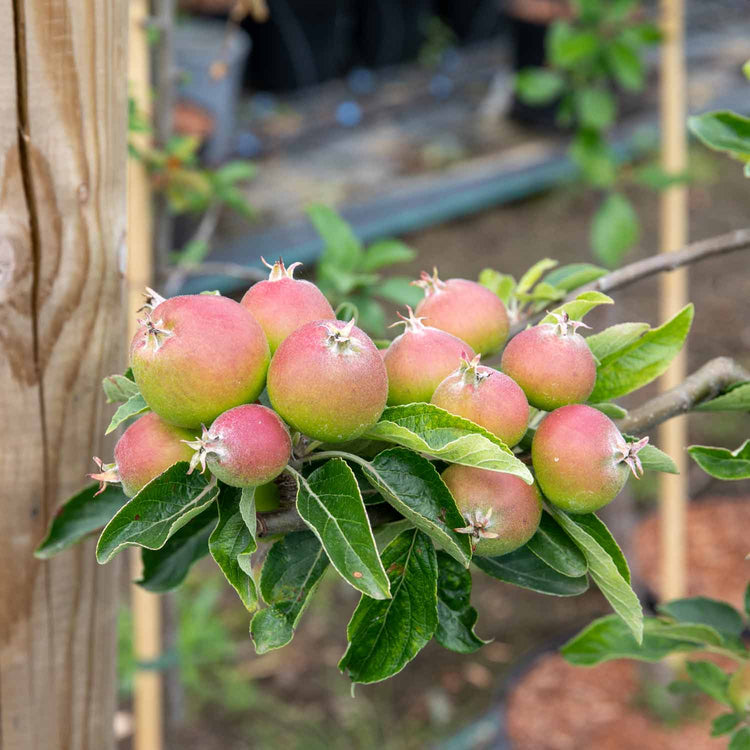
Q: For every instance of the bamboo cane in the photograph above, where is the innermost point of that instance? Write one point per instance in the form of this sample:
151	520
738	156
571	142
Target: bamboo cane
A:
674	293
147	688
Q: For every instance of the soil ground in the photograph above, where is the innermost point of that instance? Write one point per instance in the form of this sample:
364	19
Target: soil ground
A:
295	698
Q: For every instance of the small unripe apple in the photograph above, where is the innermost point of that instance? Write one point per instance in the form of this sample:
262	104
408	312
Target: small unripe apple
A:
739	688
420	359
581	460
328	381
502	512
468	310
486	397
146	449
198	355
246	446
282	304
552	363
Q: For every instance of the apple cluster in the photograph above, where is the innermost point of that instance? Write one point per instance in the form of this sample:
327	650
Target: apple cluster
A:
201	363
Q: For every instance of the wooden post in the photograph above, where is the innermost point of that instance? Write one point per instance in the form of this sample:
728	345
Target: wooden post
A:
674	293
62	249
148	704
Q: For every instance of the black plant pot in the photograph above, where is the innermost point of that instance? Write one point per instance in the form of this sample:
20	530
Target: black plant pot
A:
303	42
389	31
529	51
471	20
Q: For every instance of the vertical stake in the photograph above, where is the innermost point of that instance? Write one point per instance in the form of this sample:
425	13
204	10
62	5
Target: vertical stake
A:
147	687
673	294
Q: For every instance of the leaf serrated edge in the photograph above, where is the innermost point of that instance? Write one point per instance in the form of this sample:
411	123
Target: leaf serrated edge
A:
445	540
342	665
302	480
181	519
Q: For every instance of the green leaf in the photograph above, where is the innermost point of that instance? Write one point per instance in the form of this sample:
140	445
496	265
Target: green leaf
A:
270	629
502	284
644	34
343	250
542	294
539	85
574	275
644	360
747	600
700	635
119	388
619	10
736	398
654	176
740	739
400	290
554	547
568	47
412	485
134	406
594	157
580	306
290	575
344	281
160	509
724	724
368	312
192	253
654	459
613	411
710	678
719	615
595	107
723	463
386	533
596	529
607	565
614	230
625	64
330	503
236	171
523	568
610	638
236	200
534	274
166	568
425	428
384	636
79	517
456	616
723	131
386	253
606	345
184	147
232	542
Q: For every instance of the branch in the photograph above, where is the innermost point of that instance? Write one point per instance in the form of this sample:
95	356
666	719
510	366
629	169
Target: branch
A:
704	384
204	233
284	521
237	270
663	262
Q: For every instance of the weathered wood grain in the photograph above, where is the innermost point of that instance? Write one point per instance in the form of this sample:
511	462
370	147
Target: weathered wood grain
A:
62	241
